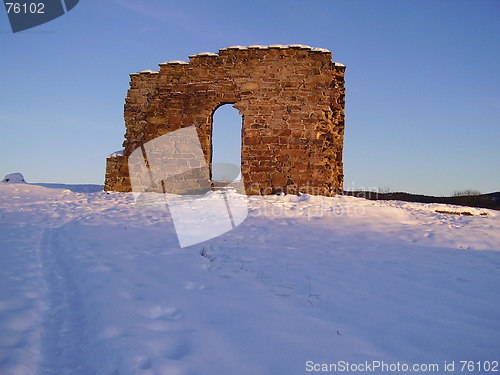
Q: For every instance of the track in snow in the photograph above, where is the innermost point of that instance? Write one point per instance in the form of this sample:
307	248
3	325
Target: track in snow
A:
63	331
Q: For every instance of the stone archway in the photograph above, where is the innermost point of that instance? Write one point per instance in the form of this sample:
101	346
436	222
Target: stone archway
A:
291	99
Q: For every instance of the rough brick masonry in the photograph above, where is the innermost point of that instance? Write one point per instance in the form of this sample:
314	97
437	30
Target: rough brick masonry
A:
291	99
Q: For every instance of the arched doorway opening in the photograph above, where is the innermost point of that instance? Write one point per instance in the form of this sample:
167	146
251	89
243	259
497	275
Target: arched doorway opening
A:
226	144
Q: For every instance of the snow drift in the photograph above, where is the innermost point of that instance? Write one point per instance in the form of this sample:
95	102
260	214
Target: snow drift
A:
93	284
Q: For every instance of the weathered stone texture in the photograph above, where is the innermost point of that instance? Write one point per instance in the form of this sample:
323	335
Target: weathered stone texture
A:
291	99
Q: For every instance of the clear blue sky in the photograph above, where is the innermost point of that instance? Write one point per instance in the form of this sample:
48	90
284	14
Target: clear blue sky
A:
423	82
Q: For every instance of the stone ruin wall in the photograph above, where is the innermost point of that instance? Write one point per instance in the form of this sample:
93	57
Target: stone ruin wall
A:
291	99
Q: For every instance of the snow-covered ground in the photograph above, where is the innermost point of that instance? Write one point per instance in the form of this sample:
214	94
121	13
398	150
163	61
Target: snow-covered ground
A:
91	283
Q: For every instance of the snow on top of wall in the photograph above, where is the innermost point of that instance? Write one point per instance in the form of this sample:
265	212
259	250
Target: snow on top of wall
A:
148	71
257	46
276	46
233	47
316	49
339	64
179	62
301	46
204	54
116	153
253	46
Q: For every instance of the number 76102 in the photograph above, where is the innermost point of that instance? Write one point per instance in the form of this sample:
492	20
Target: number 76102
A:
25	8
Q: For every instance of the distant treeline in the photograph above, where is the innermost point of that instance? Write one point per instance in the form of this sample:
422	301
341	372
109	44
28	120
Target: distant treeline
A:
491	200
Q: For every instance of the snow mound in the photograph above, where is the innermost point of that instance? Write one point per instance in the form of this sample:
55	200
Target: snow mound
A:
14	178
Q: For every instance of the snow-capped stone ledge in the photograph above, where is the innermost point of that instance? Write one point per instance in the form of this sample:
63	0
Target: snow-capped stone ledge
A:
277	46
115	154
300	46
204	54
257	46
144	72
174	62
233	47
339	64
323	50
